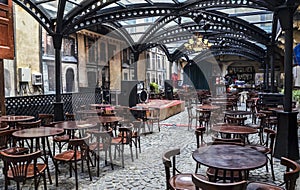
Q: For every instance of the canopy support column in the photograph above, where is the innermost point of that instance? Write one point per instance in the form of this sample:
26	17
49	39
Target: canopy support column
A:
58	104
287	130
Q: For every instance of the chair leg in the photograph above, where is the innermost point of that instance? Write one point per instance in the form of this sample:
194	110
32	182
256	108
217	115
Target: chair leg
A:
44	179
89	169
76	175
56	173
110	158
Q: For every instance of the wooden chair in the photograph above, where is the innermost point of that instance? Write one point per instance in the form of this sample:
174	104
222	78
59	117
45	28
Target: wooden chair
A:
102	143
290	177
204	118
7	144
124	138
202	184
178	180
153	117
235	120
78	151
191	116
267	148
46	119
28	124
199	131
22	167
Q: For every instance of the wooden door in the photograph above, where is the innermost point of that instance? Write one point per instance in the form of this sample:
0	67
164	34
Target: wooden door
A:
6	30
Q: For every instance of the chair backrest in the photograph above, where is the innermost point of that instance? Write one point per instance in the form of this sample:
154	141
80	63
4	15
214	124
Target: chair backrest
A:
153	112
167	157
235	141
81	144
46	119
126	134
204	115
5	137
292	173
69	116
18	164
204	184
102	137
235	120
29	124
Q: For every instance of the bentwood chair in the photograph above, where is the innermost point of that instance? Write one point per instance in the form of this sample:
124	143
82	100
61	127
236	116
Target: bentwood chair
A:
124	138
178	180
191	116
101	142
202	184
7	143
78	152
46	119
267	148
153	117
290	177
19	168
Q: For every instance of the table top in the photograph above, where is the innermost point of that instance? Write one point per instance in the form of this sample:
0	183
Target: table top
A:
237	112
233	129
95	111
208	107
72	125
15	118
229	157
38	132
105	119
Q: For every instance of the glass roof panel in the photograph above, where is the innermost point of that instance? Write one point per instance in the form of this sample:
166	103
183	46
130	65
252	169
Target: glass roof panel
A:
162	1
130	2
51	6
136	37
251	15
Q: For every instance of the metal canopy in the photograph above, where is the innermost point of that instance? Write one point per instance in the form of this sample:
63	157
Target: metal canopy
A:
233	26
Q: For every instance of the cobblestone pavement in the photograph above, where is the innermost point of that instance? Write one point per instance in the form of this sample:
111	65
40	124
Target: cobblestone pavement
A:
147	172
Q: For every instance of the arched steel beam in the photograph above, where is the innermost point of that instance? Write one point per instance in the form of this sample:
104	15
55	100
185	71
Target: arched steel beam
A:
123	33
38	14
113	14
182	12
210	54
264	4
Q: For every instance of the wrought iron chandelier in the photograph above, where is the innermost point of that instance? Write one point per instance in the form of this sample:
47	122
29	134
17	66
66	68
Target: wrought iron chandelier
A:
197	43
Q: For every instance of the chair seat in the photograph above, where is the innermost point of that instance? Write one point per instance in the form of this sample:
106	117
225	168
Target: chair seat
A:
262	186
96	145
262	149
118	140
30	170
62	138
210	172
183	181
67	156
16	150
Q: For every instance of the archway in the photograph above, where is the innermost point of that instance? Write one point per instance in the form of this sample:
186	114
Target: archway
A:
194	76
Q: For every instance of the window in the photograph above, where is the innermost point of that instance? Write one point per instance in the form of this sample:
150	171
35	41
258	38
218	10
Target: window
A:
158	62
91	44
92	79
49	49
153	61
126	76
51	77
103	52
148	62
68	47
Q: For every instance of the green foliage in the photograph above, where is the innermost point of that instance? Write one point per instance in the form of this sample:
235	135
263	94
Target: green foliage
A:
154	86
296	95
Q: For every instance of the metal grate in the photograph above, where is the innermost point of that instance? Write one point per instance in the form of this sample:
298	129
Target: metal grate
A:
33	105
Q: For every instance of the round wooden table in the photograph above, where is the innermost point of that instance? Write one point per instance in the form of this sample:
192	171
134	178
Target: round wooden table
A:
40	133
140	112
234	129
106	121
75	125
11	120
230	158
208	107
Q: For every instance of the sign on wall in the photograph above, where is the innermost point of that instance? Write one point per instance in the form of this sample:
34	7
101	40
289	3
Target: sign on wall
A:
6	30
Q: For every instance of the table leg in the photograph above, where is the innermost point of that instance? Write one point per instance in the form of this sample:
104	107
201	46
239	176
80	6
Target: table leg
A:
46	157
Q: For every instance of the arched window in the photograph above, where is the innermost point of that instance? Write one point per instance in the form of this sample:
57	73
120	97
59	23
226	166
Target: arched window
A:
7	84
103	52
70	80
